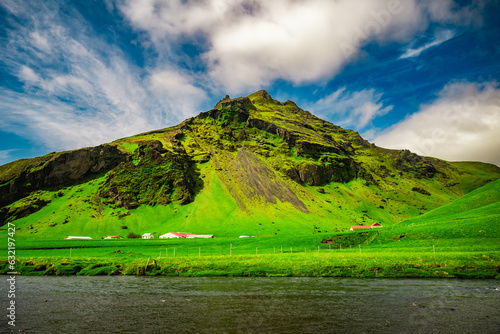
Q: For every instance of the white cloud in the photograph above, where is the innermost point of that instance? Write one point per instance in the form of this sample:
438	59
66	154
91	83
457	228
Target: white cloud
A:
39	41
461	124
441	37
449	11
79	90
5	156
177	91
248	44
27	75
351	109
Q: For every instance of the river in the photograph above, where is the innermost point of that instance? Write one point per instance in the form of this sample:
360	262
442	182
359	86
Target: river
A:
129	304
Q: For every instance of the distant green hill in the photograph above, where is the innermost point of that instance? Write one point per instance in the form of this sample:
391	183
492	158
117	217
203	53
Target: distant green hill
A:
470	223
251	165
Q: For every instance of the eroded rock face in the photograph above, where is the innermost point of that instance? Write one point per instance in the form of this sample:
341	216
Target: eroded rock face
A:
261	181
59	170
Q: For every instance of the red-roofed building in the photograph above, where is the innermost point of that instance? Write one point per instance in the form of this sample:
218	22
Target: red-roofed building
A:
113	237
173	235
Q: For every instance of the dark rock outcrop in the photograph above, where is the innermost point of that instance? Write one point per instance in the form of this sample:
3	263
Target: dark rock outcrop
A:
241	103
325	171
23	209
315	150
57	170
411	162
422	191
286	135
230	109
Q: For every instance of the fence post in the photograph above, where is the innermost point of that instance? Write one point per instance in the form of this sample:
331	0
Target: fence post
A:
281	249
199	251
291	249
359	249
230	249
256	250
174	252
166	252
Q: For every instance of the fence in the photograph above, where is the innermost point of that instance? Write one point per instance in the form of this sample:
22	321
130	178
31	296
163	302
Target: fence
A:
229	250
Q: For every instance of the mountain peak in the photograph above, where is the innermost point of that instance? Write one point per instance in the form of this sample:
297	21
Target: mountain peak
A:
242	103
262	97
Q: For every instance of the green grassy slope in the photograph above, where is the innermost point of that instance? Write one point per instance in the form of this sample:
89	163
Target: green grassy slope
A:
471	223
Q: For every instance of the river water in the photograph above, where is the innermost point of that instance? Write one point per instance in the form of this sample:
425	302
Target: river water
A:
129	304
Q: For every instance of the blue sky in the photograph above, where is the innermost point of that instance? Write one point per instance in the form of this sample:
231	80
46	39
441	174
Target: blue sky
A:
422	75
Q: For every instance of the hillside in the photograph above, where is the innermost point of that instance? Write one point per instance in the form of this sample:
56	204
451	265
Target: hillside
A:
468	224
251	165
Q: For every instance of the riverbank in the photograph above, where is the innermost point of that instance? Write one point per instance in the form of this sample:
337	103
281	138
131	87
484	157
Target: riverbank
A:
346	263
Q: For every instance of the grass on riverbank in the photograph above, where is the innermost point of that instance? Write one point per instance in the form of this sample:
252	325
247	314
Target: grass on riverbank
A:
338	263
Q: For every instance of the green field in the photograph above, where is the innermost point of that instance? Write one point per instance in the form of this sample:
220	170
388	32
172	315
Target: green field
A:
461	239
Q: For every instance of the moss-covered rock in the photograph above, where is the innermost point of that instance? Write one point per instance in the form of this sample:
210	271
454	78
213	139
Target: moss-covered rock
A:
22	208
153	176
407	161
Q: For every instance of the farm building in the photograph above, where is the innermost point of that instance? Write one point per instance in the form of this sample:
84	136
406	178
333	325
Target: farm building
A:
113	237
175	235
72	237
148	236
374	225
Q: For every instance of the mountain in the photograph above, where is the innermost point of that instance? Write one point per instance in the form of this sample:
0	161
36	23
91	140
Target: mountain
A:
251	165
